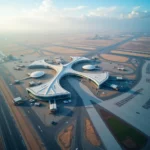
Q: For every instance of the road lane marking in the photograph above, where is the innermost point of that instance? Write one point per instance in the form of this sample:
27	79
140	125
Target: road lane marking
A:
6	120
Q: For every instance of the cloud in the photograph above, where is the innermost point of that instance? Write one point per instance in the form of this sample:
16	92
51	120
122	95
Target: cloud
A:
134	13
137	13
47	17
103	11
75	8
136	8
45	8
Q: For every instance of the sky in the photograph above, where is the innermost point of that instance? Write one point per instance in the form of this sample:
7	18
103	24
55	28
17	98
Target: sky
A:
74	15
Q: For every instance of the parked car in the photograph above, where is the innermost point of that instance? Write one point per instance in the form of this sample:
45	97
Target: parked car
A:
31	100
65	102
69	100
37	104
54	123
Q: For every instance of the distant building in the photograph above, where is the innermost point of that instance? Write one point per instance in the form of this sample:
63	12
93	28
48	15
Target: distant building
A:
121	68
58	60
32	83
52	107
17	81
119	78
17	68
114	86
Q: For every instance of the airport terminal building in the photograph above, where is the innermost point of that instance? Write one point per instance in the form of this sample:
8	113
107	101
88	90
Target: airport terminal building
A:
52	90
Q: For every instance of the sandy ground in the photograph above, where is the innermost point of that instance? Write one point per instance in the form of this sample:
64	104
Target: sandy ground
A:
25	127
21	52
90	134
89	44
131	54
9	47
47	53
64	50
136	51
85	47
132	77
65	137
21	43
107	93
142	44
114	57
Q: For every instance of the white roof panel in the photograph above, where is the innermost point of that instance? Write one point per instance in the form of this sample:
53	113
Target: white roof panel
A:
53	88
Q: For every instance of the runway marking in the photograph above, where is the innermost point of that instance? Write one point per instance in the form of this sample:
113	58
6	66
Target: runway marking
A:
23	143
6	120
40	128
2	138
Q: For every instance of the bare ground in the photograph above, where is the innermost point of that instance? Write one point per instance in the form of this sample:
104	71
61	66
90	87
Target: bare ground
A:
131	54
114	58
140	44
65	138
90	133
64	50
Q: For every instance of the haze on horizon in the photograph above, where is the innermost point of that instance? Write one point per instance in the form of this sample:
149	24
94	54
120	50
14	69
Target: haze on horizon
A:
69	15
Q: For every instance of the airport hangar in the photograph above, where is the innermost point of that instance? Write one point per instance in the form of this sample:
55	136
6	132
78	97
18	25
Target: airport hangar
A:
52	90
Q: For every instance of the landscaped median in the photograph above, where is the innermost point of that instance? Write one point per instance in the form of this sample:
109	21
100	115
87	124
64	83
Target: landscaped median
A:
91	134
65	138
125	134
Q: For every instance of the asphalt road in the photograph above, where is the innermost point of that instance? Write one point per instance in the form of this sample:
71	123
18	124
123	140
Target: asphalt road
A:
109	48
11	136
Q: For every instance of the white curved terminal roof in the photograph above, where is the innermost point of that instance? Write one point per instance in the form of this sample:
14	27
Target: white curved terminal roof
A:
88	67
37	74
53	88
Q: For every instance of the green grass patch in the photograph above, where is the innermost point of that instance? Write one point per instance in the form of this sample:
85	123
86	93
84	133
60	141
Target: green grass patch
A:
122	130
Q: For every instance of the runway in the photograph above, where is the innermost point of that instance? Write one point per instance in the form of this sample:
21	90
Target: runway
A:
107	49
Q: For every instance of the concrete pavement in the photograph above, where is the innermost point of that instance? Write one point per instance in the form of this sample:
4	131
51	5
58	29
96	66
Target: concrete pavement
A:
102	130
132	111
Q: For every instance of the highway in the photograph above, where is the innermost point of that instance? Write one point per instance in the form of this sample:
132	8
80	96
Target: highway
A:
12	139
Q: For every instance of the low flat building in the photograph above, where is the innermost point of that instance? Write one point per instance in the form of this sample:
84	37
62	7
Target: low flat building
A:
53	107
18	100
121	68
119	78
32	83
114	86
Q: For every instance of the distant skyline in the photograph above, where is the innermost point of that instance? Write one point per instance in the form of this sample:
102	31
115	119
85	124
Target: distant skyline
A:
75	15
